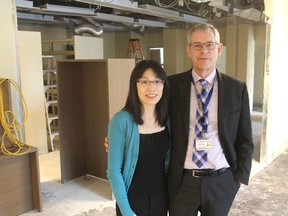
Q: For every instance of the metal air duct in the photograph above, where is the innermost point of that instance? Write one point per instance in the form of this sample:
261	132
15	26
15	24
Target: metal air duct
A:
88	28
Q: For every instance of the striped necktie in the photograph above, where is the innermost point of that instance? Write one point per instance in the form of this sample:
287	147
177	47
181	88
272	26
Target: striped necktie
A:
200	157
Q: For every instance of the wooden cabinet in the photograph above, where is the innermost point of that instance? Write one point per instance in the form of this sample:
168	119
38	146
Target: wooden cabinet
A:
89	93
78	47
20	184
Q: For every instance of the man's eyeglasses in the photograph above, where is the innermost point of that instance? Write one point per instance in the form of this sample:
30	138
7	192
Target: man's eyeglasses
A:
145	82
199	45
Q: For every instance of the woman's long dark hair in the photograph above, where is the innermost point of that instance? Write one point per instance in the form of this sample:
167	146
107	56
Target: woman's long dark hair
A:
133	104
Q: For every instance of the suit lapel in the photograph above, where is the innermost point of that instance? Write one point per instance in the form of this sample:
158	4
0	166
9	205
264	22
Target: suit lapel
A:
185	91
222	107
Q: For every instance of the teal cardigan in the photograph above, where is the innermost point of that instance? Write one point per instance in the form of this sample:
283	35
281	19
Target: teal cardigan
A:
124	140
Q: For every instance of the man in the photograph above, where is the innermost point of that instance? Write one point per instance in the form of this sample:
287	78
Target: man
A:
212	143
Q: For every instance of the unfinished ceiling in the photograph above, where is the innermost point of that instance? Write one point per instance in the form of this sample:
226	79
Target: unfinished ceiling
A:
96	15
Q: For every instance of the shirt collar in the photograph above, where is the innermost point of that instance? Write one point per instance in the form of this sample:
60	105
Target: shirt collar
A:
209	78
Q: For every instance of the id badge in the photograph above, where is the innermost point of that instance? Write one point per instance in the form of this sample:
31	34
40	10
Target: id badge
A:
203	144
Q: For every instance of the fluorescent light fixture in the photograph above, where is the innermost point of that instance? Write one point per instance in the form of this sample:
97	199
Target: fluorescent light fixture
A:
128	3
193	19
111	27
24	4
65	10
35	17
128	20
201	1
115	18
150	23
158	11
116	4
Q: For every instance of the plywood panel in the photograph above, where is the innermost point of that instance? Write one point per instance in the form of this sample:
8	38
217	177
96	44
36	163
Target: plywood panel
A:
119	71
32	89
17	191
20	185
88	47
71	120
96	116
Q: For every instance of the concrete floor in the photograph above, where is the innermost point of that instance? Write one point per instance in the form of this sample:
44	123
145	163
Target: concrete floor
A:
83	196
266	195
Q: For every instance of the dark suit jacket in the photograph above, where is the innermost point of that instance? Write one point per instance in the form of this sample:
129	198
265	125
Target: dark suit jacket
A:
234	126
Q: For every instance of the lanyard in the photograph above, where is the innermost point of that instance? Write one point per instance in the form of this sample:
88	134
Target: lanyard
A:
202	106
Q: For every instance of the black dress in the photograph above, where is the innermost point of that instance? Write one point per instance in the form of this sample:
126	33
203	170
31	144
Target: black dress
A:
148	191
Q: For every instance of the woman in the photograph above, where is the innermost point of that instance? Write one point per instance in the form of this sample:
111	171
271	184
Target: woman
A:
139	144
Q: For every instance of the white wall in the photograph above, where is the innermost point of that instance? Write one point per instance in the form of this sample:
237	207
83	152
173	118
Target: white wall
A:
9	66
275	136
260	42
8	51
246	60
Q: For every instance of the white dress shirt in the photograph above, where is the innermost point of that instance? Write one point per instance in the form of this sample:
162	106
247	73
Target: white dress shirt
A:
216	157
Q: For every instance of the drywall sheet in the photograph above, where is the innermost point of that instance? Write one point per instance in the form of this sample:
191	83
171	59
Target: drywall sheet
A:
32	88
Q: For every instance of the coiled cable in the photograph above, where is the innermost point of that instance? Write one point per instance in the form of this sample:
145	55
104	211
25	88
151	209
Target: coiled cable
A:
12	129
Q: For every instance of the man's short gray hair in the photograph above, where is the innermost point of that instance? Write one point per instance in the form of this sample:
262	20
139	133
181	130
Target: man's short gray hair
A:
203	27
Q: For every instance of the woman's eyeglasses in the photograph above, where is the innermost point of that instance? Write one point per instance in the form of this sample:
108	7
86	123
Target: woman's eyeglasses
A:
145	82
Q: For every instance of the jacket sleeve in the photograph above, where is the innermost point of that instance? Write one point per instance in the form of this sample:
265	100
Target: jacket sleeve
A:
116	154
244	145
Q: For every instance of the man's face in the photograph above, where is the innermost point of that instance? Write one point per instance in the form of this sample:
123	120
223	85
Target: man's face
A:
203	59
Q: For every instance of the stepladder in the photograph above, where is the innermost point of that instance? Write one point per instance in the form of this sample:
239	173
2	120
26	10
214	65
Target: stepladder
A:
134	50
51	100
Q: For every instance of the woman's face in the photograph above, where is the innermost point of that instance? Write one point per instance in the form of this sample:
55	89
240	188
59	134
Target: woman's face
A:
149	88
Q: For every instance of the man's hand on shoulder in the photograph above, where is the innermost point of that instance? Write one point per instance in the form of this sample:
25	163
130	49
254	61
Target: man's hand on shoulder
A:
106	144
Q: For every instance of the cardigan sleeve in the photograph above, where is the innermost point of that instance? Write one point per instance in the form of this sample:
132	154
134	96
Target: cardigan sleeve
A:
116	158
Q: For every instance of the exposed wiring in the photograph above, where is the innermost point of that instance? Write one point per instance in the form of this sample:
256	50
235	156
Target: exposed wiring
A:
187	5
12	129
172	4
202	12
98	7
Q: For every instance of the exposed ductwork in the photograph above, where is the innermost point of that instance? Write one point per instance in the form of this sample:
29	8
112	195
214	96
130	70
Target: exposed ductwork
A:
91	28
